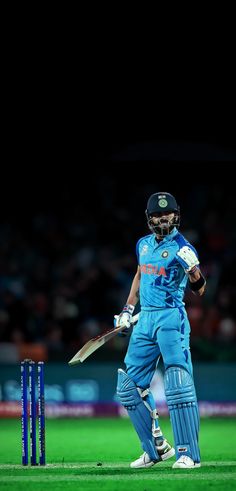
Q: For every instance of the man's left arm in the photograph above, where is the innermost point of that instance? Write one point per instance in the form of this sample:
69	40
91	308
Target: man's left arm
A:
197	281
189	260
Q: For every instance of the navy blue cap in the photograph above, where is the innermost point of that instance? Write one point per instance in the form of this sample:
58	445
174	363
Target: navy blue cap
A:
160	202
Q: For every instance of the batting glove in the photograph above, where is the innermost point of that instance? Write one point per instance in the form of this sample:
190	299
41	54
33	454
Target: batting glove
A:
124	319
188	259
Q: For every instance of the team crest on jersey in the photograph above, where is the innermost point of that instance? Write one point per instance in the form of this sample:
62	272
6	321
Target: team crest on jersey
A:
165	254
144	250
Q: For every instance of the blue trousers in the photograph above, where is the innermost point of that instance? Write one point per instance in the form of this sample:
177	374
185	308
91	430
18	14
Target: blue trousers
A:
162	332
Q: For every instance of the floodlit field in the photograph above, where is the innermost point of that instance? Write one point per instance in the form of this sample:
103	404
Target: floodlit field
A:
92	454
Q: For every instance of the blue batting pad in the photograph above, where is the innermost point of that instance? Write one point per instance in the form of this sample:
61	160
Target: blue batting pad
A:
183	408
139	414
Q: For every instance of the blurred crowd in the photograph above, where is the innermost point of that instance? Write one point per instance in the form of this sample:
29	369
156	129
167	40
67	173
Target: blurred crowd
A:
66	269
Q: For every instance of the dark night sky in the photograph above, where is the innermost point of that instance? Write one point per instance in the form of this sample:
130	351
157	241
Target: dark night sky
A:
70	178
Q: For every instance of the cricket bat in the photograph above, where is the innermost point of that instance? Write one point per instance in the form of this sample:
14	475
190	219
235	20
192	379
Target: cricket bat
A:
97	342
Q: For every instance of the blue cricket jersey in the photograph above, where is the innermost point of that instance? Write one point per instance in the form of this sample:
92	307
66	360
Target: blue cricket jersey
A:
163	279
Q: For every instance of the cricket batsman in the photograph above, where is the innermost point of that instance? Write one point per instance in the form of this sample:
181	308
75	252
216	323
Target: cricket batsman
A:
167	262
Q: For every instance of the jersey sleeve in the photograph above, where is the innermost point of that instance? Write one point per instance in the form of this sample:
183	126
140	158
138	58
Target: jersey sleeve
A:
137	249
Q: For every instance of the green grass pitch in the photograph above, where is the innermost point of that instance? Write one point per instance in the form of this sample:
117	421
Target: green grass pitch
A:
89	454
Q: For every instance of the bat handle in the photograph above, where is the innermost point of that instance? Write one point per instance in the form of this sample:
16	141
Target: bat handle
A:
134	318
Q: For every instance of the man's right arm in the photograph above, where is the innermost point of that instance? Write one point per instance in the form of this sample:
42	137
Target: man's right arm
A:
126	314
134	290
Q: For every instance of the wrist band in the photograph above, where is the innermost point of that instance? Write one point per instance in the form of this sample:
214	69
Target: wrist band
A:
192	271
197	284
128	308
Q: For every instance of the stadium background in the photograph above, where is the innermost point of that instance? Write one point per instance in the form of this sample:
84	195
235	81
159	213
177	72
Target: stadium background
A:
67	258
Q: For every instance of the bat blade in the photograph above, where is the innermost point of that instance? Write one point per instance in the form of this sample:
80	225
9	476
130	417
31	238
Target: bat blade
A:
96	343
93	345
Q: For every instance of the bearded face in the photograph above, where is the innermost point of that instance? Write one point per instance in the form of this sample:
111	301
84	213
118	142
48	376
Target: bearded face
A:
162	223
